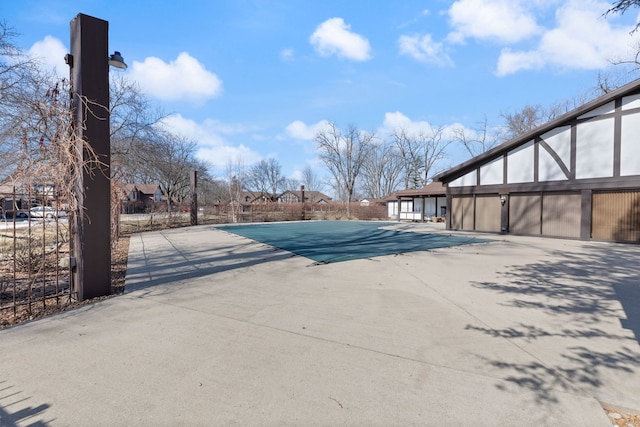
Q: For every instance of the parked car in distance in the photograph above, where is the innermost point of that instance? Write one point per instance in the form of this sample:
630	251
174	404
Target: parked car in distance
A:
46	212
22	214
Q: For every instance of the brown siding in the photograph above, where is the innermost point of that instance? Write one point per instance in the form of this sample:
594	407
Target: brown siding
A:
616	216
456	212
561	214
462	212
488	211
524	213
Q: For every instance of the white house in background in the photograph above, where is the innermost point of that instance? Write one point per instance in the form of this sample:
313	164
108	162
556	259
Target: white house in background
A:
423	204
577	176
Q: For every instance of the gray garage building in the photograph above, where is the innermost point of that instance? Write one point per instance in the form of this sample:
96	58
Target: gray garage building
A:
577	176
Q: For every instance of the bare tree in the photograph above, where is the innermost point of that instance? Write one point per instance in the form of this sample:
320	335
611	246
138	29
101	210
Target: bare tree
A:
344	154
168	160
610	80
17	97
236	178
420	151
475	141
291	184
311	180
621	6
383	170
266	178
623	70
522	121
38	145
134	126
530	117
211	191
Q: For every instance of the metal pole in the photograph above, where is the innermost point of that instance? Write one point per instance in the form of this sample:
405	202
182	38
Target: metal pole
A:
194	197
302	195
91	232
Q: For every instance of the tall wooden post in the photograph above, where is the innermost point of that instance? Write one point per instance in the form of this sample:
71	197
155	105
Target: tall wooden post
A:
302	200
194	197
91	232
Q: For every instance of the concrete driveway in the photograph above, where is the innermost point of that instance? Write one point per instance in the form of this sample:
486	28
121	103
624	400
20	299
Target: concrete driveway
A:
216	329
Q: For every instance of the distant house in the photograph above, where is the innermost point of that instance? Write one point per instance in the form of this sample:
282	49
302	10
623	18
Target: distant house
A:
140	197
374	202
252	197
12	199
15	197
423	204
314	197
249	198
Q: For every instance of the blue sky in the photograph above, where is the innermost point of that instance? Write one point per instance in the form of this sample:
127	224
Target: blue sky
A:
252	79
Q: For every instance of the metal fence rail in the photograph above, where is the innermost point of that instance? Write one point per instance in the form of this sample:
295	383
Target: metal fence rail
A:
32	282
35	280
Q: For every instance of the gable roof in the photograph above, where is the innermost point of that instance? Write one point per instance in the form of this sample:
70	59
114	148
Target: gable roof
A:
462	168
309	195
148	188
433	189
6	189
142	188
248	197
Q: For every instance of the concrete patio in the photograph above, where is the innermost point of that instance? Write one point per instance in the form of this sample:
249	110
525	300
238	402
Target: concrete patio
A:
216	329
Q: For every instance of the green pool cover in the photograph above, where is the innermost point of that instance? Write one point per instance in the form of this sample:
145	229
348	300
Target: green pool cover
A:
333	241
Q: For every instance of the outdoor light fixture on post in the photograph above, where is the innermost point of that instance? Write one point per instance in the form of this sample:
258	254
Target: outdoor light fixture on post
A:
116	60
91	225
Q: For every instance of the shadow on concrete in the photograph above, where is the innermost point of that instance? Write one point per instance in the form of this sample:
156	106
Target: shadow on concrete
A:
23	417
320	243
588	288
157	269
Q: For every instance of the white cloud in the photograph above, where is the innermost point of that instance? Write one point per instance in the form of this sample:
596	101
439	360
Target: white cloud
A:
211	137
300	130
182	79
397	120
51	52
415	20
424	49
455	152
505	21
582	39
287	54
511	62
334	37
223	155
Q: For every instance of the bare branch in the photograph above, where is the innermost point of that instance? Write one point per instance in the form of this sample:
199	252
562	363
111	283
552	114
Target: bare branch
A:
344	153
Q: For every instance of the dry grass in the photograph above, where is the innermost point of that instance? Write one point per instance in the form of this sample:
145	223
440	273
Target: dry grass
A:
44	306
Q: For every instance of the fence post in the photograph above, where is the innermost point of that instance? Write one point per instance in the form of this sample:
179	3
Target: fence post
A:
302	194
194	197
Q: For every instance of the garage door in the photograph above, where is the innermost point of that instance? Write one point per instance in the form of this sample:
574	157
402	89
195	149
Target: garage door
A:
488	211
561	214
462	212
525	213
616	216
